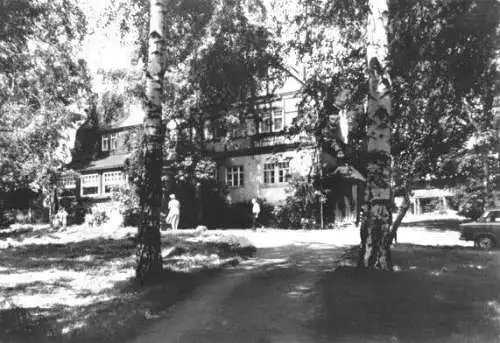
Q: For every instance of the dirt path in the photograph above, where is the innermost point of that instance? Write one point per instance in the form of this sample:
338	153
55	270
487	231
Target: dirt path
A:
267	299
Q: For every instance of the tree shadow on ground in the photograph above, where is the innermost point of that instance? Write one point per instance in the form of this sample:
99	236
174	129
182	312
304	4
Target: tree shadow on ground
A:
136	308
75	256
128	312
27	231
92	253
435	225
440	295
130	305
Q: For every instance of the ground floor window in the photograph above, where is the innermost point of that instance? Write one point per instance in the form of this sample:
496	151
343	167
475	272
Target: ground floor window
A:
68	182
269	173
90	184
277	172
112	180
234	176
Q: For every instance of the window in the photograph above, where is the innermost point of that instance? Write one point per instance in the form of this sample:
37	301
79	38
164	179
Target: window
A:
112	179
234	176
68	182
90	184
283	172
269	173
272	120
290	107
276	172
494	217
113	142
105	143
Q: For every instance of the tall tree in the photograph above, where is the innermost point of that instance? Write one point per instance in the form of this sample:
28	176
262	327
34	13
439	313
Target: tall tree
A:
149	260
442	93
375	228
42	86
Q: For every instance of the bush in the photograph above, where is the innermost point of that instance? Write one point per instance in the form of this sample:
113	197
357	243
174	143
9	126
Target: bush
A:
471	203
7	218
471	208
128	200
300	209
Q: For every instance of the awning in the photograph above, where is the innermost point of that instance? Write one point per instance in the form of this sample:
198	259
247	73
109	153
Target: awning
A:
432	193
110	162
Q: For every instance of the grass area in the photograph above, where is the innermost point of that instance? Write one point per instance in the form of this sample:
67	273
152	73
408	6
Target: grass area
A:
438	294
77	285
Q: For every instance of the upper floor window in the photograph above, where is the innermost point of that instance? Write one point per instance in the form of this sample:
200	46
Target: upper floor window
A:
272	120
113	142
111	180
234	176
90	184
277	172
105	143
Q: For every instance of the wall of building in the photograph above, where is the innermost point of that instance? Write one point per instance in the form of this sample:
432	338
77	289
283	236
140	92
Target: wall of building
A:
253	166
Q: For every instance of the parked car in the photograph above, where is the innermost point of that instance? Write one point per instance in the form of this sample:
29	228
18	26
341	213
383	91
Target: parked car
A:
485	231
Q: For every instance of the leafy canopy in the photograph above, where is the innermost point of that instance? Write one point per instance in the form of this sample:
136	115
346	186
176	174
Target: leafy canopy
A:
41	84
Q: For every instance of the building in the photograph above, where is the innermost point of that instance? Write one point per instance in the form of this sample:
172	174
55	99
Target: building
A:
259	161
427	200
99	158
262	159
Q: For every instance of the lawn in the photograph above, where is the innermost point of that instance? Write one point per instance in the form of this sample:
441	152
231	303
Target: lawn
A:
77	285
437	294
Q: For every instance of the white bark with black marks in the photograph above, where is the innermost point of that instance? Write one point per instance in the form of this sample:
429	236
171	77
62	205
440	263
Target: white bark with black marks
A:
376	224
149	260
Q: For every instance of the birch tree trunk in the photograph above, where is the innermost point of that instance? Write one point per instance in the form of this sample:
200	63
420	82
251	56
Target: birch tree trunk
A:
375	228
149	261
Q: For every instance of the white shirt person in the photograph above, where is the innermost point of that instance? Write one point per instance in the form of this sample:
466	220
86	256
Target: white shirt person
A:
174	212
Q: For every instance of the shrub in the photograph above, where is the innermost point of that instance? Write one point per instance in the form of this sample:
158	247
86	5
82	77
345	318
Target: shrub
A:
126	196
471	202
301	207
7	218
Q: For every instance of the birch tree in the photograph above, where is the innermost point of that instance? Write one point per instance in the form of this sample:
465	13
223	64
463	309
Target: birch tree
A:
149	261
376	224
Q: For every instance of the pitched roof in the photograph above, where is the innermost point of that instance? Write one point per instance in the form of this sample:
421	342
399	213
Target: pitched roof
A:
110	162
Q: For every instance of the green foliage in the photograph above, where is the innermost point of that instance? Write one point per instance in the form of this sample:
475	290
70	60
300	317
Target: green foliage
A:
128	199
443	67
215	58
40	81
301	208
442	57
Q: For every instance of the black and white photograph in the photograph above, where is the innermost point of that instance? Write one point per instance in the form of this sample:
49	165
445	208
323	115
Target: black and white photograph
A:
250	171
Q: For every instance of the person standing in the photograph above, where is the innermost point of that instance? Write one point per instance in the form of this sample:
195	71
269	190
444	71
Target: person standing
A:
174	212
255	212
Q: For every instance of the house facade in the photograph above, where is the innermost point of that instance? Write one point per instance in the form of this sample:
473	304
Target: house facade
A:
259	162
99	159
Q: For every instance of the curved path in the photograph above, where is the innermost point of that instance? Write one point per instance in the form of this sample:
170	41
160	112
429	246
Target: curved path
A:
266	299
279	296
